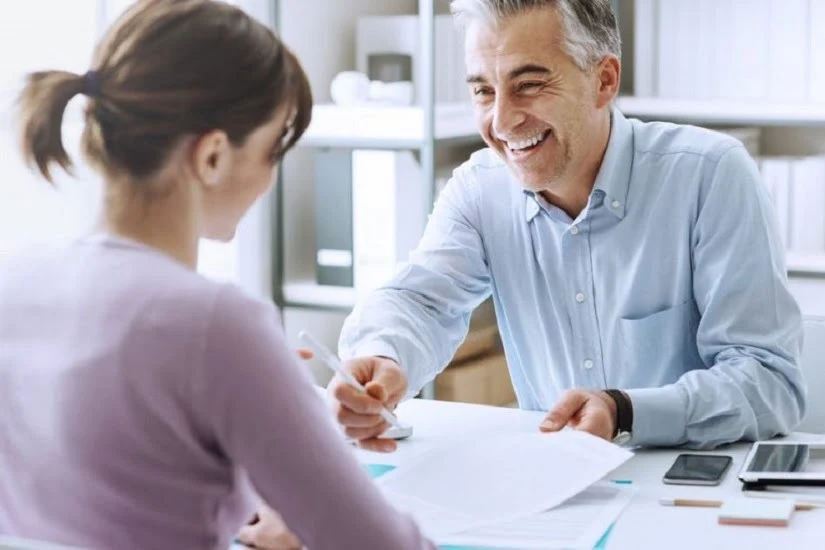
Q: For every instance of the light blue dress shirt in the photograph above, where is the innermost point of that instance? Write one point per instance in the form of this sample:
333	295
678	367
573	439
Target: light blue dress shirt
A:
671	284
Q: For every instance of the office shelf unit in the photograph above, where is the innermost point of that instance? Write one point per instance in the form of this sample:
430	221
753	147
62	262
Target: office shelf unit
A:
723	111
380	127
421	128
427	126
403	128
790	118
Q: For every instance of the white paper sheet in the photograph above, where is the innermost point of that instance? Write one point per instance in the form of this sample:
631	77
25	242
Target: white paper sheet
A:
504	477
578	523
435	521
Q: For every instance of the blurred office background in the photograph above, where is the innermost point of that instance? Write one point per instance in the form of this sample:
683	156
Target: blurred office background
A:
353	197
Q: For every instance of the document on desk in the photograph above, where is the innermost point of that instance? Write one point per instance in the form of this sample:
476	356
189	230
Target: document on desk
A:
580	522
499	478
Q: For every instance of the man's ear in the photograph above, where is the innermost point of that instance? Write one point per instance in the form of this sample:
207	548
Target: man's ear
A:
211	158
608	72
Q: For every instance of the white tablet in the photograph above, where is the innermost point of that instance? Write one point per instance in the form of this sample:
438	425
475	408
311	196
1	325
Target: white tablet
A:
784	463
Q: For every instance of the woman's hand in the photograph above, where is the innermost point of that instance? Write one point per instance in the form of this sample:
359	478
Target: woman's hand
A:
267	531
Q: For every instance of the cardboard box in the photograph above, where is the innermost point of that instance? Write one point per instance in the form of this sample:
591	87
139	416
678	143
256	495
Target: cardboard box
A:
484	380
478	342
482	337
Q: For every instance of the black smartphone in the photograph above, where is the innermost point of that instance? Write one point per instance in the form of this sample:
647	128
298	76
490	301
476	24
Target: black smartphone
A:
698	469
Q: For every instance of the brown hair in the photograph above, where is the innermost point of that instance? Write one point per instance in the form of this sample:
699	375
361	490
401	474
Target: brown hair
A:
165	70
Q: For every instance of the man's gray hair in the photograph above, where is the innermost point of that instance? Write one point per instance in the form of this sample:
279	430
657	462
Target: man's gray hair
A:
590	29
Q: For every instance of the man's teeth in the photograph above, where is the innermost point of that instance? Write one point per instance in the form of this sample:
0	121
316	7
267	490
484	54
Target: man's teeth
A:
519	145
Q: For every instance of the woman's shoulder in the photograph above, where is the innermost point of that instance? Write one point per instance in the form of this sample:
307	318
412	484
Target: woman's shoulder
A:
132	285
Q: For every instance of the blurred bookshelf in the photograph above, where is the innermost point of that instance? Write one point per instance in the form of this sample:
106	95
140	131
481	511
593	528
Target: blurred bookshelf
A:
308	293
806	264
712	90
335	151
388	127
724	111
754	65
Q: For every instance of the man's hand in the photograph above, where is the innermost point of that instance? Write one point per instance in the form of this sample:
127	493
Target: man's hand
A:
586	410
359	414
268	531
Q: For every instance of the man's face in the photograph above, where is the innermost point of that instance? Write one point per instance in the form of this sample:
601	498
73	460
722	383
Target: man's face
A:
534	106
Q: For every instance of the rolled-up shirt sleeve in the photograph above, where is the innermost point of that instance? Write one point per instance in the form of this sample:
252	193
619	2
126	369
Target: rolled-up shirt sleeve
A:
421	316
750	331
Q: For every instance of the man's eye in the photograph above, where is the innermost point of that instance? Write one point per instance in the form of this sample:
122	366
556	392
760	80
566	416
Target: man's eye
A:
527	86
482	91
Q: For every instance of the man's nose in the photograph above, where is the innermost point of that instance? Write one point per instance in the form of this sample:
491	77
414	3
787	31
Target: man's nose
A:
506	116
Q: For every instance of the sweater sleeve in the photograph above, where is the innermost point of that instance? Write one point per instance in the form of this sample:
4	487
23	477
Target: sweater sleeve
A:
266	417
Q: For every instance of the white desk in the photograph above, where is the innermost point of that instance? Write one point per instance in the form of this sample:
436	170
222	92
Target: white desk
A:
646	523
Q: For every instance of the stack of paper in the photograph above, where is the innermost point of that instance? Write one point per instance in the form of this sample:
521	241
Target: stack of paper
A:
580	522
495	480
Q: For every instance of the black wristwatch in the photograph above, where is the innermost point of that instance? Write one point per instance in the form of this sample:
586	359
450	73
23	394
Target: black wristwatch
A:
624	416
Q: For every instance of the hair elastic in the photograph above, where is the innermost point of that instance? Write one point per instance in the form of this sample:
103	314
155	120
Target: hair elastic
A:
91	84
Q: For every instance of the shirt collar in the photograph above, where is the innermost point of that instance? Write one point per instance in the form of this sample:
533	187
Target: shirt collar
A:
613	178
614	174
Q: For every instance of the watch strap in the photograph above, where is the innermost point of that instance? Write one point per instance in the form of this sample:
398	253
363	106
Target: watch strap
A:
624	411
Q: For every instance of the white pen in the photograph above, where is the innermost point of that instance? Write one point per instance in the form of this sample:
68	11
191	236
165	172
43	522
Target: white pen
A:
333	363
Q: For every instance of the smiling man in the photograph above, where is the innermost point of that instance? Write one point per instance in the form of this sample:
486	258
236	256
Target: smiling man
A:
636	269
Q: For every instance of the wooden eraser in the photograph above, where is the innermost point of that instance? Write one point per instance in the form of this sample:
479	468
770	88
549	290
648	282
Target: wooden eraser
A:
768	512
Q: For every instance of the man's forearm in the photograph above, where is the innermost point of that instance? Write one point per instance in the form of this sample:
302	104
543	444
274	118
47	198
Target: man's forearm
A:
739	399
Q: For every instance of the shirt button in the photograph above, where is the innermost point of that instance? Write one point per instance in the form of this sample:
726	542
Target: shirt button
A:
588	364
574	230
615	204
580	297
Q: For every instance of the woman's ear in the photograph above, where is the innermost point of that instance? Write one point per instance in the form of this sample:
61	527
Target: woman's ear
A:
211	158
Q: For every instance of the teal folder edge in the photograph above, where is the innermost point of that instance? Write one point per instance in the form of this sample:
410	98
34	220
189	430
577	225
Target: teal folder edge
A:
377	470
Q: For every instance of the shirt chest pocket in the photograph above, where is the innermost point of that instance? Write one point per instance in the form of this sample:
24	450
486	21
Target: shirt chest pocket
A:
661	346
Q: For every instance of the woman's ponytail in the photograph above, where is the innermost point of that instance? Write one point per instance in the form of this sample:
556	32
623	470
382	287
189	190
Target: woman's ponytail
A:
42	103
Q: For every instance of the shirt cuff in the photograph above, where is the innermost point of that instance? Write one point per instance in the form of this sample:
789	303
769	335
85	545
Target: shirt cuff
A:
374	348
659	416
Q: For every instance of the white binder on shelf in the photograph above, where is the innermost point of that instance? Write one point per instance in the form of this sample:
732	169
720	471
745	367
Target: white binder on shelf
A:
449	45
776	174
750	49
645	48
816	40
705	50
388	202
690	68
808	205
726	85
669	67
787	61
